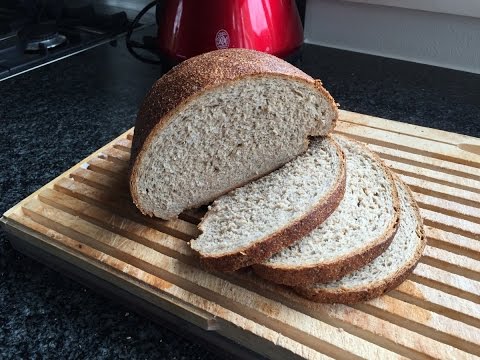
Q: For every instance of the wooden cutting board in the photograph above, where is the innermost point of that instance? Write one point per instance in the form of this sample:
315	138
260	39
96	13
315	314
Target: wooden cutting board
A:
84	224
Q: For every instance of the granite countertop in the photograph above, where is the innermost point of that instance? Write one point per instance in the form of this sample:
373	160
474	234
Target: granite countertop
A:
56	115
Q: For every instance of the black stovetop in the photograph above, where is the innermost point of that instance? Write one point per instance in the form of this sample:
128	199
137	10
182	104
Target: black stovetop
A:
30	29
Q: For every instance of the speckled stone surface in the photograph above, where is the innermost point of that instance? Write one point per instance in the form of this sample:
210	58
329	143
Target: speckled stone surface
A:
54	116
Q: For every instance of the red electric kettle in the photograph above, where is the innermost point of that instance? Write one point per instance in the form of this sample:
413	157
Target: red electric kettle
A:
190	27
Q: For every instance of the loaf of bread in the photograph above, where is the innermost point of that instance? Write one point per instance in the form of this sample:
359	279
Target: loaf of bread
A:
218	121
388	270
253	222
317	212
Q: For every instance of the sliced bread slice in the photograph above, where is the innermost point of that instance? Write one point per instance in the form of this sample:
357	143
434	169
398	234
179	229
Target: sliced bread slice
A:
251	223
385	272
218	121
359	230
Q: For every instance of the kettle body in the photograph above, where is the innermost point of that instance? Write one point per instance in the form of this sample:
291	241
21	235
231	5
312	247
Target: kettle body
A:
190	27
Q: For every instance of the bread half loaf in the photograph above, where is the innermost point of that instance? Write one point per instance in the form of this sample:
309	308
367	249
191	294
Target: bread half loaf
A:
251	223
358	231
385	272
219	120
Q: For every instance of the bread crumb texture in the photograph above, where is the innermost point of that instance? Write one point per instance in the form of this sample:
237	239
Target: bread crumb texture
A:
261	208
363	216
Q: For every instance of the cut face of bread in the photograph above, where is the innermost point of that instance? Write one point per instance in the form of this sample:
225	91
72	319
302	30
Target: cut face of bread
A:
359	230
253	222
224	131
385	272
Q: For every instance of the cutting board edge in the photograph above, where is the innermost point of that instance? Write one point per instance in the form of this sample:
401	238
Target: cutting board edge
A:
121	295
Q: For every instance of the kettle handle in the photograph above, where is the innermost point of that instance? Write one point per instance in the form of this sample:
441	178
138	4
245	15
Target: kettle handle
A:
134	44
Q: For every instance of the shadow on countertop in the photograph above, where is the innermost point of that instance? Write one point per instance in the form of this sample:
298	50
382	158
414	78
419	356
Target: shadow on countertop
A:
55	116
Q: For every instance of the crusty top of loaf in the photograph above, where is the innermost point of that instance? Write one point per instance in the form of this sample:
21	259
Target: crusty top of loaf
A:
200	73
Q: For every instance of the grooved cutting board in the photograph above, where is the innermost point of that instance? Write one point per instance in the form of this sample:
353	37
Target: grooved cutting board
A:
84	223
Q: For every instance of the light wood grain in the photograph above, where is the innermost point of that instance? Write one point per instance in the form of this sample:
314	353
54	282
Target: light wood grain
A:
435	176
372	328
415	131
85	217
419	162
453	243
439	302
116	156
453	263
123	144
145	235
96	198
102	165
298	326
405	142
448	282
421	320
208	315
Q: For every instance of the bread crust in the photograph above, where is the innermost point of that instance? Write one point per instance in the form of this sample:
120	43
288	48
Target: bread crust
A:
266	247
334	270
351	296
192	78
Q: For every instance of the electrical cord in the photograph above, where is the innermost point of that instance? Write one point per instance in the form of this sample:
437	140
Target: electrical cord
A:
131	45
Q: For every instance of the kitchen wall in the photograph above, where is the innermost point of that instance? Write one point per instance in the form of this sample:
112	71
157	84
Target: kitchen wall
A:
425	31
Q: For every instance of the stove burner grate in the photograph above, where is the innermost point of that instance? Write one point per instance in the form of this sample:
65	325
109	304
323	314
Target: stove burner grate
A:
39	37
